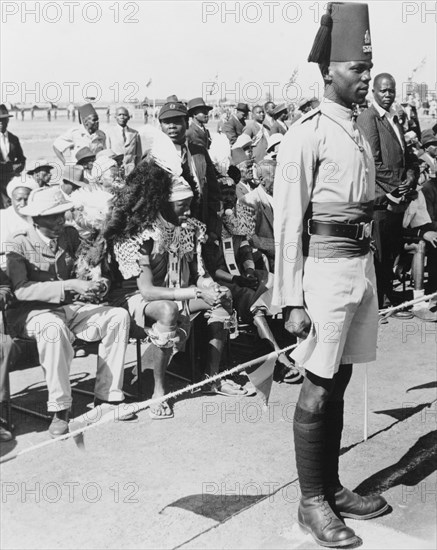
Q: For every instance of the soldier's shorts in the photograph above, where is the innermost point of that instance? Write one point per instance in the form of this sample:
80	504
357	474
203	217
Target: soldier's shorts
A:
341	300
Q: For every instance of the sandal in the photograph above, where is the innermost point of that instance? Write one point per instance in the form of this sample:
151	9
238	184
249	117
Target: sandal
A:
165	410
228	388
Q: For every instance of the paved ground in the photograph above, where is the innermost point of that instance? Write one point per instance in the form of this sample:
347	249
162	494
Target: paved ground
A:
221	474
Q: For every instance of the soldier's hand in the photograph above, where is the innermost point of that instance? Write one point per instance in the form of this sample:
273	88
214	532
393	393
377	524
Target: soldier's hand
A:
297	322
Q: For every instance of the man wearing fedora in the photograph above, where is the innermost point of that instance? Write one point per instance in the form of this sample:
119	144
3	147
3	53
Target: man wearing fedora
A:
198	133
87	135
234	127
197	166
41	172
12	159
55	308
124	140
324	272
280	115
73	178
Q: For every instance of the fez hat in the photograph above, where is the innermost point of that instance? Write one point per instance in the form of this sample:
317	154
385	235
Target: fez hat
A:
172	109
73	173
84	153
278	110
19	181
243	107
40	164
428	138
195	103
85	111
4	113
46	201
344	34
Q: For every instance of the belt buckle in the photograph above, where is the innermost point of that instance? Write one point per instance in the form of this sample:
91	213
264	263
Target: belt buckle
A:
309	226
366	230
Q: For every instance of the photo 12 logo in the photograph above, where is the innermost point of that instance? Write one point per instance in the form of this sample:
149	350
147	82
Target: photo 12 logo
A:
70	12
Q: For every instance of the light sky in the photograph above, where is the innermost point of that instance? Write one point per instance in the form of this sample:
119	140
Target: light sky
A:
183	46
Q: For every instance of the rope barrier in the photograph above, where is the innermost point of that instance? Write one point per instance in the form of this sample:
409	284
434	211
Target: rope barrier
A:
393	309
117	413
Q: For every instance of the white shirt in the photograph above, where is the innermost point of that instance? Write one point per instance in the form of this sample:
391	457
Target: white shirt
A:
389	116
10	223
4	144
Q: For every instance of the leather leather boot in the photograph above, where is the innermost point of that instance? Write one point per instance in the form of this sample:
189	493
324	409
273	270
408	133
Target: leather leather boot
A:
316	517
59	424
351	505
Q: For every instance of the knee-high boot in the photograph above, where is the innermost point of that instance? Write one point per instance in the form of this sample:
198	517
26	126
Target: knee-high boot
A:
315	515
344	502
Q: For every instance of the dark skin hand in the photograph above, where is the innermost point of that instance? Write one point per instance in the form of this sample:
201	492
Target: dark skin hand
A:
296	321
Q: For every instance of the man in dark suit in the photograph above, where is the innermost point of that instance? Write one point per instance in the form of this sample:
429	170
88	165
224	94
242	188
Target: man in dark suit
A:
12	159
234	127
198	132
394	188
197	166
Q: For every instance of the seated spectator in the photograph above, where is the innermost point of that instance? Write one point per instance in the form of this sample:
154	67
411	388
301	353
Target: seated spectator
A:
54	307
8	354
41	172
157	247
230	261
85	158
261	201
106	174
242	167
11	219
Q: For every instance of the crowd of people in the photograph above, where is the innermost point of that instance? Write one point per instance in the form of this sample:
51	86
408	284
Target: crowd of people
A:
188	222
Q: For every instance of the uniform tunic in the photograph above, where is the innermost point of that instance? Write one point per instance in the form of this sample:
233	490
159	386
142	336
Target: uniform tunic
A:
326	172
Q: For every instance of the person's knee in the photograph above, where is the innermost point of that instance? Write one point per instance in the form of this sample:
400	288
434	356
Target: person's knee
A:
168	313
314	393
50	329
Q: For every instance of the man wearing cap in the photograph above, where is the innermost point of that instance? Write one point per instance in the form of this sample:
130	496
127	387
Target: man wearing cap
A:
54	307
198	133
324	275
280	115
380	124
124	140
11	219
269	107
12	159
87	135
197	167
258	133
273	146
305	105
73	178
243	176
41	172
106	174
234	127
85	158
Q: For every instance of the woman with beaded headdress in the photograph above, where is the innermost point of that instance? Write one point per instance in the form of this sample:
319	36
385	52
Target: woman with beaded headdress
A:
157	247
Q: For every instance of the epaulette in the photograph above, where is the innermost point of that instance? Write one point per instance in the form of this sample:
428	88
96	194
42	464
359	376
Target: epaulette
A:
309	115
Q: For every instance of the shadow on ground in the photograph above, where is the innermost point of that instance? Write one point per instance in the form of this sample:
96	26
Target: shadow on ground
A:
418	463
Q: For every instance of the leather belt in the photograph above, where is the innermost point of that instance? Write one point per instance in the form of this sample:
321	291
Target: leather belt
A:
357	231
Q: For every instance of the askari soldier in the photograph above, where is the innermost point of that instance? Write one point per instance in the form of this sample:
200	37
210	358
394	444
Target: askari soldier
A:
324	274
